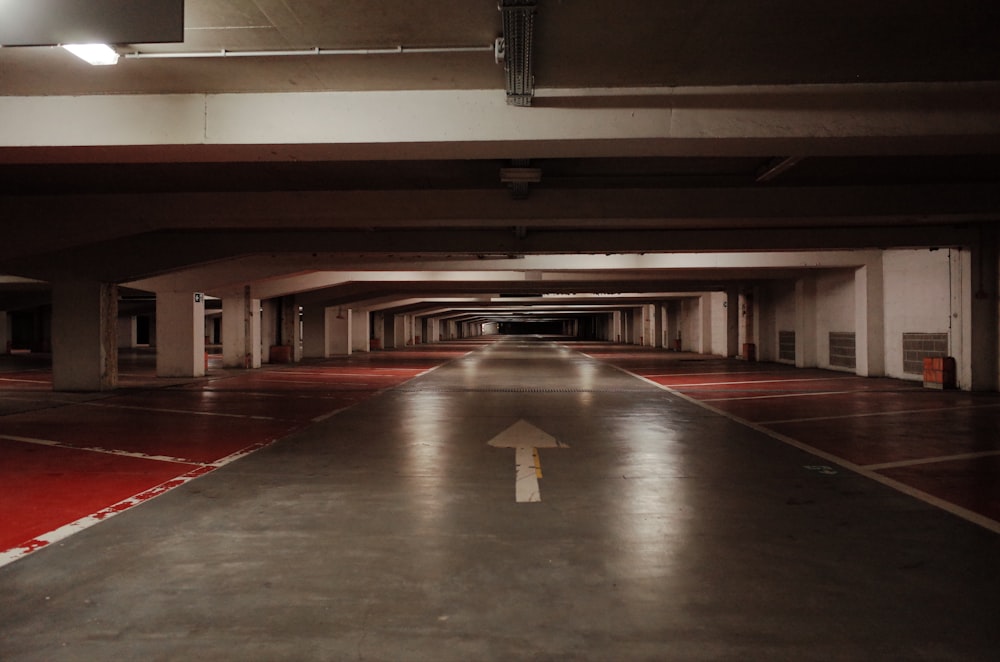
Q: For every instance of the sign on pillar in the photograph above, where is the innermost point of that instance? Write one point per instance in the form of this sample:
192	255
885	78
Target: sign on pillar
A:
180	334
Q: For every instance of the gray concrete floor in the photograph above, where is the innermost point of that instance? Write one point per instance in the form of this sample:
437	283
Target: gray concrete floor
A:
390	532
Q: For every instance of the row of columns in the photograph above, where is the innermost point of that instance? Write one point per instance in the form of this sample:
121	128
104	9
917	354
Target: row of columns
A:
85	326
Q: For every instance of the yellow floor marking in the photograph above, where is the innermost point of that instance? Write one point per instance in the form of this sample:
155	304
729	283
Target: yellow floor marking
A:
538	463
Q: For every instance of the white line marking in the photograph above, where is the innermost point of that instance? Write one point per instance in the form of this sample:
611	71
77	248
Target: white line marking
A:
877	413
291	381
947	506
680	373
177	411
930	460
780	395
65	531
763	381
98	449
30	381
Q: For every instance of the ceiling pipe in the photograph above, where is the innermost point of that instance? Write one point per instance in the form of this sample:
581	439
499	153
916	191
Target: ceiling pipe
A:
394	50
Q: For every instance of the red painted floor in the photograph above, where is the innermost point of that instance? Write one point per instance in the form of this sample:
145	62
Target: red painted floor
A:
942	444
66	459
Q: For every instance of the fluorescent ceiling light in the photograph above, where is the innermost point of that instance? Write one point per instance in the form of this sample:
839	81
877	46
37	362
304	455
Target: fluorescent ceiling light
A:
99	54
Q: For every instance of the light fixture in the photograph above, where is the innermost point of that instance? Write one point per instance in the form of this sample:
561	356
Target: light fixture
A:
96	54
515	49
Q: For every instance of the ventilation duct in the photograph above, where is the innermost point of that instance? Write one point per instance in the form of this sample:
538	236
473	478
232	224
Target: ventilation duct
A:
515	47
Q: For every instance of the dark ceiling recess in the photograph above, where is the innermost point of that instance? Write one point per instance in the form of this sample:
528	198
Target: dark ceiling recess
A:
55	22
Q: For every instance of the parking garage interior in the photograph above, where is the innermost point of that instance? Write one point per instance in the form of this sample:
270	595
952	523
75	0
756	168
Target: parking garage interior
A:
517	330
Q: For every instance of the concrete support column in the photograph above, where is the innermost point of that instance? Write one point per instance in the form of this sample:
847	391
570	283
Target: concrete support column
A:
673	323
180	334
84	336
360	331
635	318
269	310
399	327
659	326
705	314
5	333
338	332
127	332
389	331
869	319
616	327
433	330
288	331
646	332
732	321
241	330
765	324
805	322
979	358
314	332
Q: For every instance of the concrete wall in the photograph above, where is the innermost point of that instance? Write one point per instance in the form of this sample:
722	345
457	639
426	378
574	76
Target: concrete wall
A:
782	311
691	325
917	300
834	311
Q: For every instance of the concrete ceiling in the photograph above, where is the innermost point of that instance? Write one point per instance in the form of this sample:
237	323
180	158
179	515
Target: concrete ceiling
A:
579	44
658	127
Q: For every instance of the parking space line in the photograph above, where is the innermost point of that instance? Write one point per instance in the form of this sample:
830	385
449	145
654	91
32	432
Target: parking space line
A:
178	411
877	413
764	381
931	460
777	395
966	514
98	449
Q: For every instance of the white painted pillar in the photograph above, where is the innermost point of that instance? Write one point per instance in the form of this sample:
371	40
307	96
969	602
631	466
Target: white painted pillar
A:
732	322
805	322
869	319
180	334
636	318
338	332
84	336
360	331
616	327
241	330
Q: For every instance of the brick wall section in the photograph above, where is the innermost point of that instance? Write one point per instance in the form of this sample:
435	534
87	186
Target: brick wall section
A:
786	345
918	346
842	349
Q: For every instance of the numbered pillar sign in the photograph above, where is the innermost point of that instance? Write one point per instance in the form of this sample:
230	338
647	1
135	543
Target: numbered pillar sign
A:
197	297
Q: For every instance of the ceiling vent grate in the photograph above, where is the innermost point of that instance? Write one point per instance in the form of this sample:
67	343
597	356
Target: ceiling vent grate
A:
516	49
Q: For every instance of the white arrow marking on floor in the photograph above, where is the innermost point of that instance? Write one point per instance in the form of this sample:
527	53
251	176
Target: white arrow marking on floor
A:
525	439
